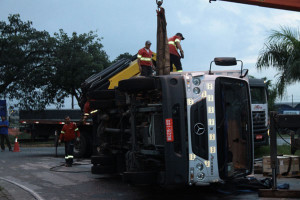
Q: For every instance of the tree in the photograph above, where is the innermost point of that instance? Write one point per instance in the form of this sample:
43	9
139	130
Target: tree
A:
282	52
39	70
272	94
25	56
76	58
124	55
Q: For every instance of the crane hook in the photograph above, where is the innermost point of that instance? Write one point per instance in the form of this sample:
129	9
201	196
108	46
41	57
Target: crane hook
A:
159	3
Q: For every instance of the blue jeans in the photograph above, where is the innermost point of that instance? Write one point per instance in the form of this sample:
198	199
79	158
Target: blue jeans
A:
4	137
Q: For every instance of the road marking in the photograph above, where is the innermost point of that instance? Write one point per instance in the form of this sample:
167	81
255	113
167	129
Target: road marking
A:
36	196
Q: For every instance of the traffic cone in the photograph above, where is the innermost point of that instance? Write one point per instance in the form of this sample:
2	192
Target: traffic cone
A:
16	146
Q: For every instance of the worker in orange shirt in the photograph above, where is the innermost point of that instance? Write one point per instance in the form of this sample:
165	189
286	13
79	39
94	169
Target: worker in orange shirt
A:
69	133
145	60
174	45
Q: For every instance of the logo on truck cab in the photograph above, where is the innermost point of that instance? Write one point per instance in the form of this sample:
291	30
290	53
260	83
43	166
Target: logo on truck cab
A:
258	107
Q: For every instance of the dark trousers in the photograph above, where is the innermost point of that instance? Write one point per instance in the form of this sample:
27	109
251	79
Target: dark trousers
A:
2	137
69	150
176	61
146	70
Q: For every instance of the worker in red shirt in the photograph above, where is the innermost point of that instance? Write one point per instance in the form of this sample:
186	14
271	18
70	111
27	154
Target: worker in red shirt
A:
68	136
174	45
145	60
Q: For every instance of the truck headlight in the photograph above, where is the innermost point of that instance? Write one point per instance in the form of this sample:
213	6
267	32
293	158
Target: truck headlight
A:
196	90
201	176
196	81
199	166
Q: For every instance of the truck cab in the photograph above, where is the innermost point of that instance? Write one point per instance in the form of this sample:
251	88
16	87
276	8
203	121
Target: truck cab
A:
192	128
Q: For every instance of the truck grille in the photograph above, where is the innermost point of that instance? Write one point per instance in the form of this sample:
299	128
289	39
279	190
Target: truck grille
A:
259	122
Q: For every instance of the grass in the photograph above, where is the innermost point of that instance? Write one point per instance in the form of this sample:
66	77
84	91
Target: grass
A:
20	136
281	150
24	135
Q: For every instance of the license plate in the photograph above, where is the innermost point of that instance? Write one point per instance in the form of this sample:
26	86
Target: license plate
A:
259	137
169	130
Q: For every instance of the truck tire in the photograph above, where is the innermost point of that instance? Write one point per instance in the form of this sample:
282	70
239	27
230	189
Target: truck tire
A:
101	94
137	84
99	169
101	104
103	160
80	148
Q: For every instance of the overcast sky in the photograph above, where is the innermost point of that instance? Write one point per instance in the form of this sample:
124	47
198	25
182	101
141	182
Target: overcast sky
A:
211	29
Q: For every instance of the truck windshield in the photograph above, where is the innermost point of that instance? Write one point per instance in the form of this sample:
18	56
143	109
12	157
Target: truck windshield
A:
234	128
258	95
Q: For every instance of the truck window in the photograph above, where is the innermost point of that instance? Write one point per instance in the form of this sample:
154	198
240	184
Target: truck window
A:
233	127
258	95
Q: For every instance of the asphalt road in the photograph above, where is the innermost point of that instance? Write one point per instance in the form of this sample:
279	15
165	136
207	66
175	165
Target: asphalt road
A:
35	173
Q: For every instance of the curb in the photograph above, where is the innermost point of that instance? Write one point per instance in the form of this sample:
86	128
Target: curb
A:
13	190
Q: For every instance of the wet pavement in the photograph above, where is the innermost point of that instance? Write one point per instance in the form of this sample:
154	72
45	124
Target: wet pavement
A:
35	173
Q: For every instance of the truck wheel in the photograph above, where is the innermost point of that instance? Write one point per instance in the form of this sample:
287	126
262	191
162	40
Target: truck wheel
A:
89	147
103	160
99	169
101	104
101	94
137	84
80	147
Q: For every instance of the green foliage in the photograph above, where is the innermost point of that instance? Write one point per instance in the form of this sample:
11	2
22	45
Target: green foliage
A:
281	150
282	52
123	55
76	58
24	61
272	94
39	70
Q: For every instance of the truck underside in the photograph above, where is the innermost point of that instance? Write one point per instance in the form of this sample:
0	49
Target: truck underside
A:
131	131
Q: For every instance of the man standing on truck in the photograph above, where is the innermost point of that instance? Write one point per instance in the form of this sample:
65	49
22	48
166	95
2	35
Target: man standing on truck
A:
68	136
145	60
174	45
4	133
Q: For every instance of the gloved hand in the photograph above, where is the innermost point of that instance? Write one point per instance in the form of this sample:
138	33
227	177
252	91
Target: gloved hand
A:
182	54
77	139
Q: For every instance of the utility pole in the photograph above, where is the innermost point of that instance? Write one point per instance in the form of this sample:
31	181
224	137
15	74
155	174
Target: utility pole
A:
72	101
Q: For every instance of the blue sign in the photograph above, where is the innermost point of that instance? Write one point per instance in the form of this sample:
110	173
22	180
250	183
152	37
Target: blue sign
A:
2	107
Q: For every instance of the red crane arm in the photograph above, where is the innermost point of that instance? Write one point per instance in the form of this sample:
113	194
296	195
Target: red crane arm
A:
293	5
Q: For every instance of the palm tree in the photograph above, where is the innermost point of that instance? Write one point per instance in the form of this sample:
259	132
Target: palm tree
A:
282	52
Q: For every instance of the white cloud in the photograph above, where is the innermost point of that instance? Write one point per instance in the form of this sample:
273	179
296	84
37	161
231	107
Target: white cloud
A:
184	19
272	20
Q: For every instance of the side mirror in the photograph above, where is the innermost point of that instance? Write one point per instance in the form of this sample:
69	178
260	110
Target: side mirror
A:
227	61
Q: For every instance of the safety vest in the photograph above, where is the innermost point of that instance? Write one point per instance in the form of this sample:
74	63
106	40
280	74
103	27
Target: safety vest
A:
68	132
172	45
145	57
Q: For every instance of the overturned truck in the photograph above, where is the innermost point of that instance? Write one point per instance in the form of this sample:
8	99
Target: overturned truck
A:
184	128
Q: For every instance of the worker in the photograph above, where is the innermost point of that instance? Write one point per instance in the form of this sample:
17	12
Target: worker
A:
145	60
174	45
4	124
68	136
